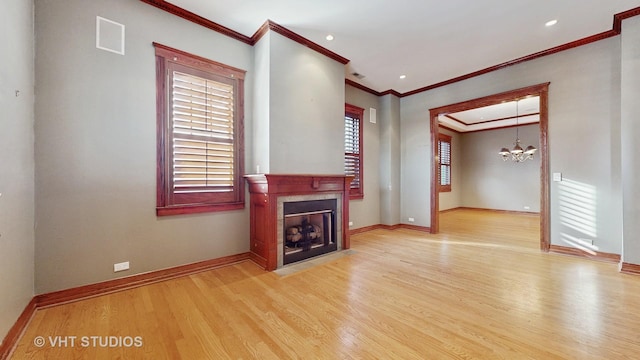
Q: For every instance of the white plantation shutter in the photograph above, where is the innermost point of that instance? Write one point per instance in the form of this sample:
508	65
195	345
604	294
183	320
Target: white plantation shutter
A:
352	149
444	152
202	135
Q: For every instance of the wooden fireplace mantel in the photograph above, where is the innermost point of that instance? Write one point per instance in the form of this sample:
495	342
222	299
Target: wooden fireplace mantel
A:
264	191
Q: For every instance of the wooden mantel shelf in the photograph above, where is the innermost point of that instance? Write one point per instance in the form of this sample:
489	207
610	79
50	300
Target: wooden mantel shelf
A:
264	191
296	184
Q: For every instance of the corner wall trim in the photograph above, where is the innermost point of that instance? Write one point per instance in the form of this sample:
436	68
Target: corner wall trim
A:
110	286
515	212
415	227
365	229
596	255
628	268
15	333
389	227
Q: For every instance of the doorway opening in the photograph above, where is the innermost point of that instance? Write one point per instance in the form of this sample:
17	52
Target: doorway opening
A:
541	91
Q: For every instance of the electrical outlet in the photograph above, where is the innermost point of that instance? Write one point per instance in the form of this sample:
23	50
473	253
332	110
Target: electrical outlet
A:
411	219
527	207
350	223
121	266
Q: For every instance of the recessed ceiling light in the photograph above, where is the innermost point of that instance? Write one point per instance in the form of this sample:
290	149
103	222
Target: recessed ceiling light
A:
403	76
551	22
329	37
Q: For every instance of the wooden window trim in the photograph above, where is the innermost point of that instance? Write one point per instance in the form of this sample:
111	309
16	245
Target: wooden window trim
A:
357	112
166	58
447	139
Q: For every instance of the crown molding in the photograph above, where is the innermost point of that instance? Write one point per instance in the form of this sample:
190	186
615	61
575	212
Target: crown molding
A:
361	87
616	30
371	91
391	92
571	45
197	19
617	18
270	25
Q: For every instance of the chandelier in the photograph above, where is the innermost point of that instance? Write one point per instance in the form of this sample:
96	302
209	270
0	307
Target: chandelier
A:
517	154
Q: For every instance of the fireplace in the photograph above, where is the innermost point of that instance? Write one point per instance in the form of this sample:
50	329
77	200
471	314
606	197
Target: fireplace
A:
309	229
296	217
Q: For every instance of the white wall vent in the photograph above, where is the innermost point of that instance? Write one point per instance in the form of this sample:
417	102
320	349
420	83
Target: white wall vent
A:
109	35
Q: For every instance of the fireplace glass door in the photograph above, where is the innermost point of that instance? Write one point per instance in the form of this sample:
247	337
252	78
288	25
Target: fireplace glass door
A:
309	229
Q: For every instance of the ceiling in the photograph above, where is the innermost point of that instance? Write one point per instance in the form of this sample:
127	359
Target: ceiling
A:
429	41
505	114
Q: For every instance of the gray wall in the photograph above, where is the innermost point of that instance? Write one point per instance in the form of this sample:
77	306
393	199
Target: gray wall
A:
261	113
390	149
630	144
584	121
453	199
95	153
366	212
16	157
490	183
306	110
416	155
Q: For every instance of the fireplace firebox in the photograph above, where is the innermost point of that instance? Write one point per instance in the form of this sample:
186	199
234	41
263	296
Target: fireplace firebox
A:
309	229
295	217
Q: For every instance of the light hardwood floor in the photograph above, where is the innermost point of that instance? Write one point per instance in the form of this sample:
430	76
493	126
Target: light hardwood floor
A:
479	290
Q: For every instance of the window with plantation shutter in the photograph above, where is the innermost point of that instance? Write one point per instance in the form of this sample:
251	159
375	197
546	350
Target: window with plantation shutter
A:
353	148
444	154
200	135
